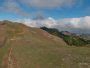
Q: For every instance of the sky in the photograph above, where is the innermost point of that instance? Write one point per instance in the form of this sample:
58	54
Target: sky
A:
73	15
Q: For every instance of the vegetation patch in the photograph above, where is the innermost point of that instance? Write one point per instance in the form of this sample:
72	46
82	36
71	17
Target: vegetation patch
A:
69	38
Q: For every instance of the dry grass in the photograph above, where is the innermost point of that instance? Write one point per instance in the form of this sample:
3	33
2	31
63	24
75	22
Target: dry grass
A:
35	48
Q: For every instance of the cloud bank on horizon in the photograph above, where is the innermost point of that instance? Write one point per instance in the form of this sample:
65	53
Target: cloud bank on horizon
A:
81	24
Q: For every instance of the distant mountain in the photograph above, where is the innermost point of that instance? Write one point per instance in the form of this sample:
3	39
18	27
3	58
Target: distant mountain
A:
39	17
85	36
68	37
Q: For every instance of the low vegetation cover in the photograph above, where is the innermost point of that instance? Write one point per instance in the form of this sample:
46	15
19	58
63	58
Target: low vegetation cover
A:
26	47
69	38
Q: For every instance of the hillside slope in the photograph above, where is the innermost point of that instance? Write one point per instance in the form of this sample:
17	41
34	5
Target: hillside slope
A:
26	47
71	39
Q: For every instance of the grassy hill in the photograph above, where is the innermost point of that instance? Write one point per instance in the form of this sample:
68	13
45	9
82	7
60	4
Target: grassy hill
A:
26	47
71	39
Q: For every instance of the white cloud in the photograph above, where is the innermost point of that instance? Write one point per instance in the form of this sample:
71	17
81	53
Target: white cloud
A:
48	3
82	23
12	6
50	22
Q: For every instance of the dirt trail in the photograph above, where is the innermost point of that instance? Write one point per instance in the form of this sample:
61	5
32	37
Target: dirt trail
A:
12	62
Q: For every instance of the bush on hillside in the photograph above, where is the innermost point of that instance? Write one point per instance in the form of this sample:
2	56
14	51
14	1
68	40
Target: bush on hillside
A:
69	39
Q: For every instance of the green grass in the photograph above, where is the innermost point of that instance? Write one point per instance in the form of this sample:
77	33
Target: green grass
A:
46	56
38	49
44	53
3	52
